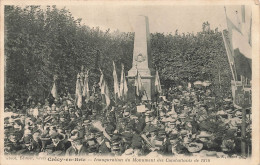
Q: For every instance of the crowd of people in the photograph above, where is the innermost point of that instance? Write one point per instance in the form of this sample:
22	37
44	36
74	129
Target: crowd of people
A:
186	121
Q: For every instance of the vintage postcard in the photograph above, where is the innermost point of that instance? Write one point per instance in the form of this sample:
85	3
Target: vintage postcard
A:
129	82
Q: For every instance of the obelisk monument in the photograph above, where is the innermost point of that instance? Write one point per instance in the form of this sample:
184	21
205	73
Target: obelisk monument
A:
142	60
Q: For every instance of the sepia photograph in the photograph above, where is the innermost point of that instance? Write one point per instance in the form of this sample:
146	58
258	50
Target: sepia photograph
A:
128	83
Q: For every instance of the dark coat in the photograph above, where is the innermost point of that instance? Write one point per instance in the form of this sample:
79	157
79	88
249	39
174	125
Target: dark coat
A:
59	147
14	147
36	146
72	151
103	148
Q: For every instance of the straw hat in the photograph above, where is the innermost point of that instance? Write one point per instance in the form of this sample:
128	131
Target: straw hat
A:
204	134
129	151
194	147
182	116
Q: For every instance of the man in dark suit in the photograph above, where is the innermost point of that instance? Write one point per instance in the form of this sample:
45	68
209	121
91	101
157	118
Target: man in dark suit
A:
104	147
57	143
36	142
77	147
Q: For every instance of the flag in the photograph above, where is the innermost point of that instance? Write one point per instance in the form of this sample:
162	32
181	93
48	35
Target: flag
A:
78	93
104	89
123	84
240	48
138	83
86	88
116	86
54	91
157	83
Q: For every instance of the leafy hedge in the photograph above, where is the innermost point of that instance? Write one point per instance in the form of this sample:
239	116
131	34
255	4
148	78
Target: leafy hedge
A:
42	43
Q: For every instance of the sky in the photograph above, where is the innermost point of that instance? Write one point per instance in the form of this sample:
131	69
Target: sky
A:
163	18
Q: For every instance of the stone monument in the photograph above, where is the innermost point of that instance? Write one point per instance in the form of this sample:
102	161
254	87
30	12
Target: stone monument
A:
142	60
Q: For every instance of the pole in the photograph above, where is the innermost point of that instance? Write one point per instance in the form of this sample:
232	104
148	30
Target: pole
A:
219	77
243	133
232	71
243	126
135	94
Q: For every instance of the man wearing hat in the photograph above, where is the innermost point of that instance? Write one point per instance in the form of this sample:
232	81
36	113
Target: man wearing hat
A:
171	144
27	150
116	147
137	145
126	140
91	142
104	147
139	124
77	147
13	141
36	141
57	143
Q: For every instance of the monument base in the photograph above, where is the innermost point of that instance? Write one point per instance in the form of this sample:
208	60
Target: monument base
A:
147	82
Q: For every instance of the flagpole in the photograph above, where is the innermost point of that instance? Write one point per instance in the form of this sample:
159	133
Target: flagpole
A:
135	84
243	127
233	75
243	133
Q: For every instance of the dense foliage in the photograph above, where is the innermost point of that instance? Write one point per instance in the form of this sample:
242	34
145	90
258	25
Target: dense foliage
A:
41	43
